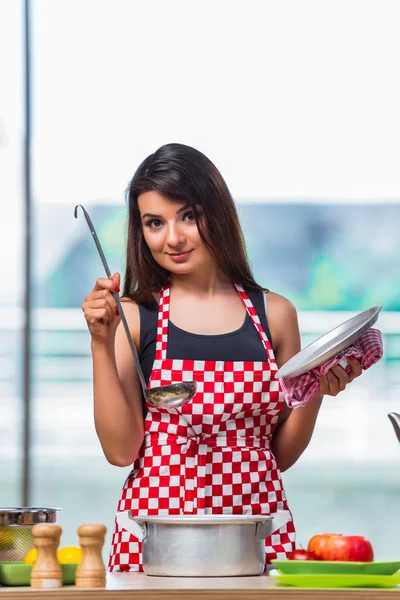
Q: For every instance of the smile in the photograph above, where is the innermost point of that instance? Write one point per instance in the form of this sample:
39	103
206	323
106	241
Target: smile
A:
179	255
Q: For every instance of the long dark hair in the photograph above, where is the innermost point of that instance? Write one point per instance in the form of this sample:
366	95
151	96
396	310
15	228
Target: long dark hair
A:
182	173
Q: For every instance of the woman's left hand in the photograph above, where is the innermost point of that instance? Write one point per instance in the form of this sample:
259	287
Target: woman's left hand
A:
336	379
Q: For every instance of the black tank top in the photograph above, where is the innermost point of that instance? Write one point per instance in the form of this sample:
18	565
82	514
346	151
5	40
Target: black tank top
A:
243	344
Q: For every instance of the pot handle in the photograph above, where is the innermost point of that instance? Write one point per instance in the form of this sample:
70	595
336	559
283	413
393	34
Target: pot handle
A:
266	528
125	520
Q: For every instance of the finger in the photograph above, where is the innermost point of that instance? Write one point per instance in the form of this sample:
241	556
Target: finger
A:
99	295
324	385
117	281
356	368
103	283
97	315
333	383
101	303
342	376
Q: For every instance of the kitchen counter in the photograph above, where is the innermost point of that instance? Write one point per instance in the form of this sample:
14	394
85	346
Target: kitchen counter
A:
137	586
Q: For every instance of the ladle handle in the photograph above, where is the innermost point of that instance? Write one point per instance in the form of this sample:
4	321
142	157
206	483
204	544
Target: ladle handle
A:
116	297
395	419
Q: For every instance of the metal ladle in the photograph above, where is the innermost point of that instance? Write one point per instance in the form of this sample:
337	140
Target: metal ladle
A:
173	395
395	419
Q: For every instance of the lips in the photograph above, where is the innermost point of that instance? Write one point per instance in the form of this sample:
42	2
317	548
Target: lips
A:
179	254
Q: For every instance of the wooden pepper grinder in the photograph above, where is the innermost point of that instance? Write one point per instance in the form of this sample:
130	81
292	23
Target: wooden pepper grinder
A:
91	572
46	572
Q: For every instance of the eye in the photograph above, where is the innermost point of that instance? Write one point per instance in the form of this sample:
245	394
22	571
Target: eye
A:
189	216
154	223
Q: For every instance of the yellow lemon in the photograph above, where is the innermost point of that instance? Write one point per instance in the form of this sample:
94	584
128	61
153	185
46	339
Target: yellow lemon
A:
30	557
69	554
7	537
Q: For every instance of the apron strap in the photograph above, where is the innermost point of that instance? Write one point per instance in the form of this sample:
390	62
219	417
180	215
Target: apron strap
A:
162	324
163	318
257	323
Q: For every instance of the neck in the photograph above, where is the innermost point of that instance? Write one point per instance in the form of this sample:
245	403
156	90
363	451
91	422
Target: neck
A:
207	283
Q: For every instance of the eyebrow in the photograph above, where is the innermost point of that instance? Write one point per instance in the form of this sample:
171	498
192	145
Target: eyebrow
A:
183	208
159	216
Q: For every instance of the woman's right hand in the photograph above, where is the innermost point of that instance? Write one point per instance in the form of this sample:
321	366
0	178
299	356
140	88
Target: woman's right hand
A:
100	309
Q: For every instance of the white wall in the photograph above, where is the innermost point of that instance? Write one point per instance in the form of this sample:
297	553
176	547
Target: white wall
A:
291	98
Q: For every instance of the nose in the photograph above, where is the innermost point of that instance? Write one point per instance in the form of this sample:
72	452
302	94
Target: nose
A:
175	237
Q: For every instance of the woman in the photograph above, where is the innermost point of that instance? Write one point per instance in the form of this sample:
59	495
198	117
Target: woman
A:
196	313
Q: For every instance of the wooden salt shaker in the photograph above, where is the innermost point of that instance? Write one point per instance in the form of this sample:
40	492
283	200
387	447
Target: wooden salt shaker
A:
91	572
46	572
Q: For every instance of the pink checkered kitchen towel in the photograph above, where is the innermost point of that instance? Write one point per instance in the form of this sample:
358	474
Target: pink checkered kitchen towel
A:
368	349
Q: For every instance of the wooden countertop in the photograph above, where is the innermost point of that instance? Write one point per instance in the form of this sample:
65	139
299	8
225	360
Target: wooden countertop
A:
121	586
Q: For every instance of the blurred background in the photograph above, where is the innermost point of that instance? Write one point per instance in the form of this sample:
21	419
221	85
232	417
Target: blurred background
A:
297	105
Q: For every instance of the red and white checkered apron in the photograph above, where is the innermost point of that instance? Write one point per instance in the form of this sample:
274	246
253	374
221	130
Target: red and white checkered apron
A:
212	455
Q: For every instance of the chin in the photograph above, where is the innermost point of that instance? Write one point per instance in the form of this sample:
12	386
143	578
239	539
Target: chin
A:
182	269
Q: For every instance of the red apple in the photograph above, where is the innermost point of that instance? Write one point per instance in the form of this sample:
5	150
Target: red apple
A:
318	543
300	554
348	548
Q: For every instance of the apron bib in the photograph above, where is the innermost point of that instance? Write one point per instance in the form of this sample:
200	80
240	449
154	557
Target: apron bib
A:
211	456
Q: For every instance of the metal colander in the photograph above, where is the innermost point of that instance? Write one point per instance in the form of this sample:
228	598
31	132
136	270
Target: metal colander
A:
16	524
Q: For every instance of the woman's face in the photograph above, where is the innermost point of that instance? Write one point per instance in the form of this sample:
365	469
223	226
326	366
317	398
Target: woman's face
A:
170	231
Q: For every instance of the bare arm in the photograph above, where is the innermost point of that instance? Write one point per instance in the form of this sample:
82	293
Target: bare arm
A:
118	411
295	427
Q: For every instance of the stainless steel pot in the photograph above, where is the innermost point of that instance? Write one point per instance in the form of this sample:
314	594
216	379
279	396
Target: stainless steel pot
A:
16	524
203	545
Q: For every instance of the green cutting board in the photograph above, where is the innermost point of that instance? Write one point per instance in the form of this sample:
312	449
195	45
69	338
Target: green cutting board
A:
331	567
18	573
337	581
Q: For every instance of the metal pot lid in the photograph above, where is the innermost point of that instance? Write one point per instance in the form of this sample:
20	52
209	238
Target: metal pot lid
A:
27	515
328	345
204	519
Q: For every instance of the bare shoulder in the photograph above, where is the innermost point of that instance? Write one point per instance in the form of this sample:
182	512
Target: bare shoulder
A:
128	302
280	307
130	307
132	315
282	318
284	328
